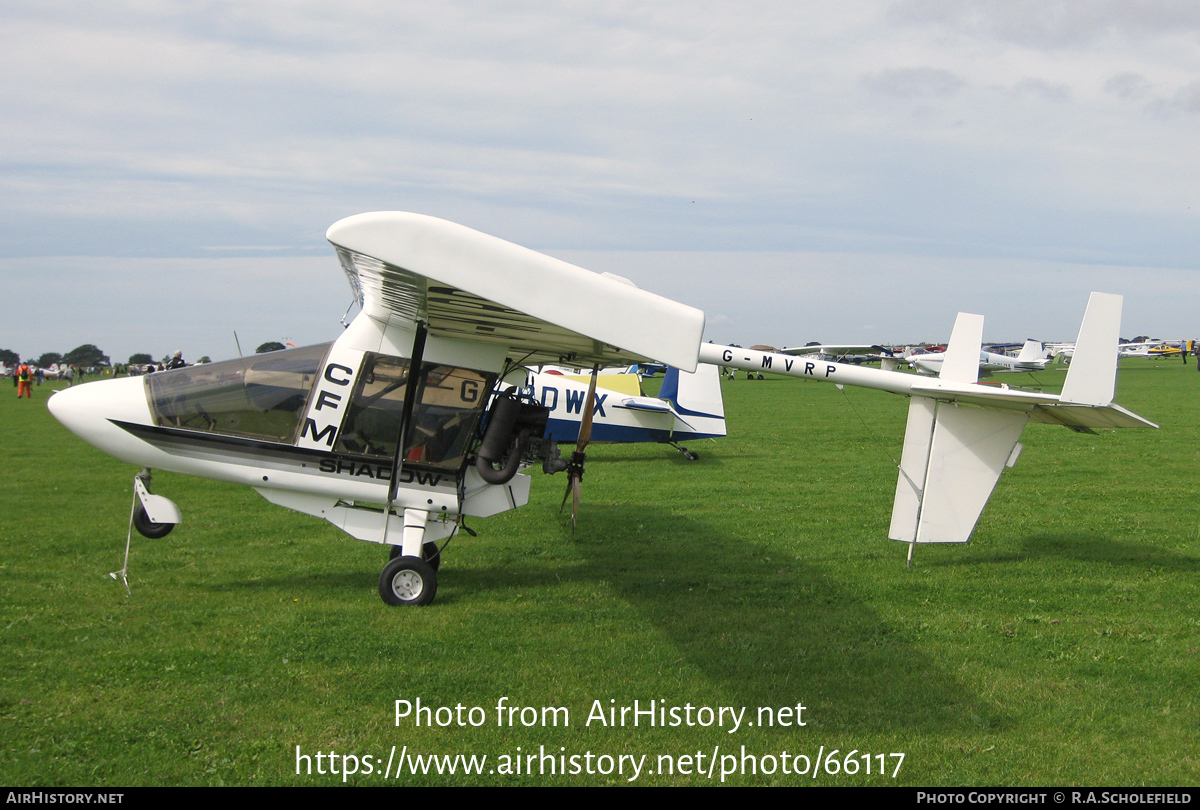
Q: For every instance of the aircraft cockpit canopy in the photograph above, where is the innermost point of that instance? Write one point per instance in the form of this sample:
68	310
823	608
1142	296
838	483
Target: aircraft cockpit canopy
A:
448	410
258	397
265	397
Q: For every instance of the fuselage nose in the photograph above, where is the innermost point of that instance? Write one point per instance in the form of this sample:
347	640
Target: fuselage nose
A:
91	410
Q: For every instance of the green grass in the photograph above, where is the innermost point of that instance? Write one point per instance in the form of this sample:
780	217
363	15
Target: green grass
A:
1062	646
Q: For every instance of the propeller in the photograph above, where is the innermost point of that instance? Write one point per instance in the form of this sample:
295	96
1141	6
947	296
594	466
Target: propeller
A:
575	465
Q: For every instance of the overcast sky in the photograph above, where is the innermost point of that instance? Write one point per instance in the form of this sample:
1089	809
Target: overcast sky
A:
850	171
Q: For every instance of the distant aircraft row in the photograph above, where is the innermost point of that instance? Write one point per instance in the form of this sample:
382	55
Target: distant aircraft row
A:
1034	355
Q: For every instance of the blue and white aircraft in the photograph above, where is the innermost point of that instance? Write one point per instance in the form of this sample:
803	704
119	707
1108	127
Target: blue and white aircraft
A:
689	407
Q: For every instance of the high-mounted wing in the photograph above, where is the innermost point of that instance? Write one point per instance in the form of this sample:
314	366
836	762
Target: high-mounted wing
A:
836	349
466	284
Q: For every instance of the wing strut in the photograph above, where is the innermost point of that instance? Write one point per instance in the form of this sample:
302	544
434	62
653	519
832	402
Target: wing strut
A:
411	392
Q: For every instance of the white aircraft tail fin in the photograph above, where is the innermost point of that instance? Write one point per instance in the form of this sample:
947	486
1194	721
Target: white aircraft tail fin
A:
961	363
1032	350
960	436
1092	375
696	394
953	457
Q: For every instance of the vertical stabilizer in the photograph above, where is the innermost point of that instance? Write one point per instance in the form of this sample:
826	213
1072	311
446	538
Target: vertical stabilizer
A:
1092	375
914	463
961	363
697	393
1032	350
953	457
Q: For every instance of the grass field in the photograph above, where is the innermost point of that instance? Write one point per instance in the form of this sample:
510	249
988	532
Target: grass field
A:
1060	647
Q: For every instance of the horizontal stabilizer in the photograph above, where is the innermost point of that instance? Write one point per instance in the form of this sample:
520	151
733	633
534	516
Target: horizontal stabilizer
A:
651	404
953	457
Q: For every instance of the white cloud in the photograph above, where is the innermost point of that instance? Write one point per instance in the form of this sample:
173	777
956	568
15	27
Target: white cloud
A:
969	130
1128	85
1053	23
922	82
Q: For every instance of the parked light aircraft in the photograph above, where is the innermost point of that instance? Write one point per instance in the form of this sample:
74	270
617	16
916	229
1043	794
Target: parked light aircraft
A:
1156	348
1141	349
839	352
1145	348
1031	358
414	417
689	406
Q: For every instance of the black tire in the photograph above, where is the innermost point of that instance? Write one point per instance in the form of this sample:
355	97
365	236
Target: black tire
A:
432	555
407	581
146	528
691	456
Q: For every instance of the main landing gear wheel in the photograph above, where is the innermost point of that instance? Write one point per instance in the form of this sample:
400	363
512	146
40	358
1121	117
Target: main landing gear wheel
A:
147	528
432	555
407	581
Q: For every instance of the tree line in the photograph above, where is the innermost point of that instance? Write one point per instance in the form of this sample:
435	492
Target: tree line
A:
90	356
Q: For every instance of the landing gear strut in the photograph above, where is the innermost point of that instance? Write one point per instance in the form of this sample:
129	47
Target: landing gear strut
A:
429	551
408	579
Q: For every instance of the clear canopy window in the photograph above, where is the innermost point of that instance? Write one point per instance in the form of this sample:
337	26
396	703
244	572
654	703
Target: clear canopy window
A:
259	397
448	410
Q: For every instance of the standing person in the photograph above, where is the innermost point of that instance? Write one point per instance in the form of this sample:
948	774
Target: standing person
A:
24	380
176	361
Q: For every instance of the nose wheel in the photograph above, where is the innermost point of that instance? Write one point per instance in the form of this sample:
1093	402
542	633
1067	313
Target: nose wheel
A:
147	527
153	516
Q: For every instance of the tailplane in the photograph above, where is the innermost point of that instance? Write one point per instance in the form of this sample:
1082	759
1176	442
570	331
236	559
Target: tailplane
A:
960	435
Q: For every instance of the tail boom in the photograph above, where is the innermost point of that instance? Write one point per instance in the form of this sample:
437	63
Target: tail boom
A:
960	434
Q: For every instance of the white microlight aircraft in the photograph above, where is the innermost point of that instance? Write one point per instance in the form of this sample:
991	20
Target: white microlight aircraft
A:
1031	358
414	417
840	352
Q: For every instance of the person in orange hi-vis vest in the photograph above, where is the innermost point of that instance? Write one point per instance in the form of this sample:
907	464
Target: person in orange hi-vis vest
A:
24	381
